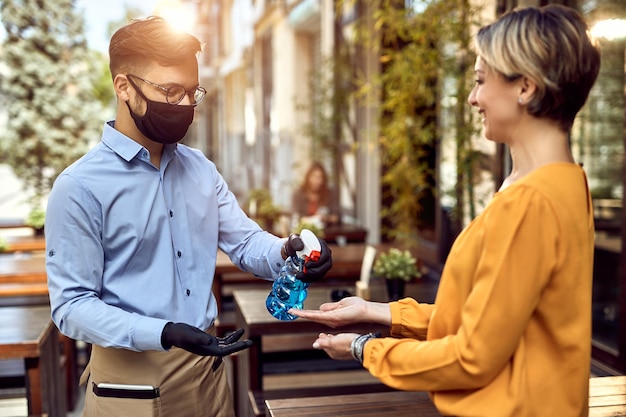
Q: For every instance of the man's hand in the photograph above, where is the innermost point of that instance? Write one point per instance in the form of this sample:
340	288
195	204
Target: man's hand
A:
292	245
313	270
196	341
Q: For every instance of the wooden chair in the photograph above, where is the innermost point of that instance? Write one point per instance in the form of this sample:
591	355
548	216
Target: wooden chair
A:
363	284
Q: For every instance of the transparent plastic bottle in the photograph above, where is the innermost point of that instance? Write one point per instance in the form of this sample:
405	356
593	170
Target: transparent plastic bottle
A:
287	290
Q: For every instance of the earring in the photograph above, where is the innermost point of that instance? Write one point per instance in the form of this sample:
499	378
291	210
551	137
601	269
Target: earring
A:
520	100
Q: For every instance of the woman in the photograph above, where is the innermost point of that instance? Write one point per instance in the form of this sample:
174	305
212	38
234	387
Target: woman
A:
314	199
509	333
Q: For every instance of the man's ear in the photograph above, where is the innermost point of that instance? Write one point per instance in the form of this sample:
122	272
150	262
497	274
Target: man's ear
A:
121	86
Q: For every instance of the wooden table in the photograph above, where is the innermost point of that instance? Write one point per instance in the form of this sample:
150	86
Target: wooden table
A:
388	404
347	262
607	398
23	276
26	275
15	223
251	315
25	244
28	333
609	243
26	266
23	282
349	233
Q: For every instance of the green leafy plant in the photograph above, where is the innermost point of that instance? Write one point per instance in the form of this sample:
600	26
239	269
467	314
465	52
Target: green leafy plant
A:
36	218
423	51
261	204
47	86
261	207
396	264
312	227
3	244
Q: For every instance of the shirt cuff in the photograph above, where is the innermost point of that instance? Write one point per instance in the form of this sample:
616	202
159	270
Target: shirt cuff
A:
146	333
276	258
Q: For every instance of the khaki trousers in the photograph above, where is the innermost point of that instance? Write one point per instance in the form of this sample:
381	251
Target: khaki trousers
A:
187	384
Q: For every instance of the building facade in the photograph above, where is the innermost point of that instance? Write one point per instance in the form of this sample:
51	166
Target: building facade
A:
267	66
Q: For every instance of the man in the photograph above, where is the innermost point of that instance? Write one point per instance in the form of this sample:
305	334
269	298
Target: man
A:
132	234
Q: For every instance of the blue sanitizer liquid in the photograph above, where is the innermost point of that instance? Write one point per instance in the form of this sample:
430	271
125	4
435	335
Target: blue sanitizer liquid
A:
287	291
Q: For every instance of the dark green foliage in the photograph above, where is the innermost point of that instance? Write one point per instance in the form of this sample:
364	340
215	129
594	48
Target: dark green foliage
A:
424	56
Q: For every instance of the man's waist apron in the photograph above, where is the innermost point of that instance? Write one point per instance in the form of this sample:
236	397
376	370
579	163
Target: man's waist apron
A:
122	382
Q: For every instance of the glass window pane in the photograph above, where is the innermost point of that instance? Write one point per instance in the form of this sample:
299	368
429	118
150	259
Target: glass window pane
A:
598	143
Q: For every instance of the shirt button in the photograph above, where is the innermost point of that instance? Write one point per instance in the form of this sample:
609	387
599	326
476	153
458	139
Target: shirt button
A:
179	254
188	292
171	213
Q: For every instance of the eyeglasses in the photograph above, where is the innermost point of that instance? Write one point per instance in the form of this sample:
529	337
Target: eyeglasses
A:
175	93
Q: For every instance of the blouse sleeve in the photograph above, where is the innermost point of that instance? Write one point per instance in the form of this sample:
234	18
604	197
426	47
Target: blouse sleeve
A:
517	250
410	318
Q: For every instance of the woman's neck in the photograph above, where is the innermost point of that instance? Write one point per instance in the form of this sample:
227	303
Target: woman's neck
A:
533	148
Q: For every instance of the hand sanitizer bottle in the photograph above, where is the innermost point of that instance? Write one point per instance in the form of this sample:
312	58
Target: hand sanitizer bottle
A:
287	290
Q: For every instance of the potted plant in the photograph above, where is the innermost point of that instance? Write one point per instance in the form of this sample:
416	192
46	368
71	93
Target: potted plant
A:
261	207
36	219
317	231
397	267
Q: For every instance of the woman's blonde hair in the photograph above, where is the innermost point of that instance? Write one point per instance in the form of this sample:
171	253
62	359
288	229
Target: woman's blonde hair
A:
551	46
145	42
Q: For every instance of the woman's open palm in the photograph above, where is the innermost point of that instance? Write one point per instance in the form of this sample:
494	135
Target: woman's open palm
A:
346	311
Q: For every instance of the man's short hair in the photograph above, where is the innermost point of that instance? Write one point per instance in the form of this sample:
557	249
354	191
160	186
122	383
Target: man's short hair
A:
145	42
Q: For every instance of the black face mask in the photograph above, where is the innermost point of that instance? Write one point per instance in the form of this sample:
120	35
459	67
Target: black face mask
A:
163	122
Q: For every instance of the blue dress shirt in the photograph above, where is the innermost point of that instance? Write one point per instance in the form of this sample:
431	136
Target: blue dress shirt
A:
131	246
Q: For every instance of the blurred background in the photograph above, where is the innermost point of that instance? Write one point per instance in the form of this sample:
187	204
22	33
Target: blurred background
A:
374	91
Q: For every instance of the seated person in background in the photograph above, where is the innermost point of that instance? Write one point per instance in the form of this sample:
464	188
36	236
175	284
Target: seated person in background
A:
314	201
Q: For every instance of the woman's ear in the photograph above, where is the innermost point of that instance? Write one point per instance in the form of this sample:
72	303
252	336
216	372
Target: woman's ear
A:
121	86
527	89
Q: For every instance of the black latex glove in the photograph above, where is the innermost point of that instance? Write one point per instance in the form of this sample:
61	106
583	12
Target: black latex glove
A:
313	270
293	244
196	341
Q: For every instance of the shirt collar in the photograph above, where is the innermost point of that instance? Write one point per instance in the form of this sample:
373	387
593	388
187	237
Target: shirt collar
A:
125	146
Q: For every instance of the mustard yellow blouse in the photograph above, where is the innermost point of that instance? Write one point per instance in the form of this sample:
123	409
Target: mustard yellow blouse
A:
510	331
